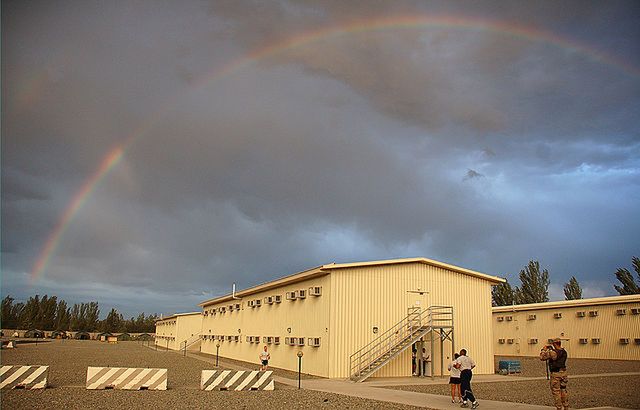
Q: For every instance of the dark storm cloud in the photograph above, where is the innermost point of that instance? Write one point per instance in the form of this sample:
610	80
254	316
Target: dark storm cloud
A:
468	146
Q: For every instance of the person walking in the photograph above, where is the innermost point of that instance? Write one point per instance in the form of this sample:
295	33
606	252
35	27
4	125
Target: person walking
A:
557	362
264	359
465	364
454	380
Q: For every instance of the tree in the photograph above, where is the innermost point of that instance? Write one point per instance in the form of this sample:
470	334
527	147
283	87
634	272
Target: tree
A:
113	322
502	294
535	284
572	289
629	286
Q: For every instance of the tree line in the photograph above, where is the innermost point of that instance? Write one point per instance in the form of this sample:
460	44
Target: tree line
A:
534	286
50	313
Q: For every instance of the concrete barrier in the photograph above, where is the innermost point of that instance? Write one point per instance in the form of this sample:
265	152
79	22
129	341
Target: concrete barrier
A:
236	380
23	377
126	378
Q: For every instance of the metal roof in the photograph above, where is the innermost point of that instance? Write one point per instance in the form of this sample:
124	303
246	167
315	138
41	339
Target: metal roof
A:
609	300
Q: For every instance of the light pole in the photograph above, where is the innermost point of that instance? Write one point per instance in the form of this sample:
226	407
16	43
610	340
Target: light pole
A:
300	354
217	351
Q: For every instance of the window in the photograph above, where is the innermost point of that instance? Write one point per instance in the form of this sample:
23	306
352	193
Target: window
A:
301	294
636	341
315	290
268	300
276	340
635	311
277	298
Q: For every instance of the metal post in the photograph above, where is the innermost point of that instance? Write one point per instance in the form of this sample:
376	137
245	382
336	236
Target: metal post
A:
185	348
441	353
431	354
299	366
167	344
217	351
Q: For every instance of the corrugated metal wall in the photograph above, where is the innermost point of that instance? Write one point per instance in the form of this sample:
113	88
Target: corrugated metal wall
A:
306	318
364	297
608	326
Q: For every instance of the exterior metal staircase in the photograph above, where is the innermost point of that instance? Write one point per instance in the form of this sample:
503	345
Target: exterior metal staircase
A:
380	351
190	342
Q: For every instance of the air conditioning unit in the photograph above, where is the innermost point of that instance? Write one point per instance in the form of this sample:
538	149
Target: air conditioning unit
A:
249	339
228	338
595	340
236	338
251	304
624	341
636	341
584	341
287	341
580	314
593	313
557	315
291	295
222	309
510	341
531	317
268	300
276	340
509	318
635	311
621	312
299	341
267	339
237	306
301	294
257	303
501	341
533	341
500	318
256	339
205	313
277	298
314	341
315	290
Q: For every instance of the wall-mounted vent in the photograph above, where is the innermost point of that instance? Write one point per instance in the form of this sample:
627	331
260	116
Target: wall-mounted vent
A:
314	341
584	341
624	341
557	315
595	340
621	312
593	313
315	290
580	314
531	317
533	341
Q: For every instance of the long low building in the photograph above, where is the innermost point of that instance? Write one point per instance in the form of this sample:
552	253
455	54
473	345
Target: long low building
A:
357	319
598	328
178	331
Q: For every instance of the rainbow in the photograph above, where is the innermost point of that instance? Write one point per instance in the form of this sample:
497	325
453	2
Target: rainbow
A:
402	22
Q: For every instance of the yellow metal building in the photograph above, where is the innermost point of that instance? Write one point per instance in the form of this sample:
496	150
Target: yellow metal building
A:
330	312
599	328
176	331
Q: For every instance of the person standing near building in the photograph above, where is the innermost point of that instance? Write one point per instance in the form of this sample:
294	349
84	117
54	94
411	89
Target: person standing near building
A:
466	364
557	359
424	360
264	359
454	380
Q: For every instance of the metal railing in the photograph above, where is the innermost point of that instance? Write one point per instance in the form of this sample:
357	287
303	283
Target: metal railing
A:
189	342
380	350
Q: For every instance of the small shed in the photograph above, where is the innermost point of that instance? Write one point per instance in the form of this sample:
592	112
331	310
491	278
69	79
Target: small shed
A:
144	337
81	335
103	336
59	334
34	333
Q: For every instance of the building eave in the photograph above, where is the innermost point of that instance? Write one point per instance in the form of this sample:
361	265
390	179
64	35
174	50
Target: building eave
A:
609	300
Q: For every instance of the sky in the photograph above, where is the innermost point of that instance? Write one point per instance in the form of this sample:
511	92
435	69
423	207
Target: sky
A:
155	153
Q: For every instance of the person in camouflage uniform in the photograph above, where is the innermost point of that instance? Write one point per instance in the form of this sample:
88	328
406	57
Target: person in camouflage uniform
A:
556	357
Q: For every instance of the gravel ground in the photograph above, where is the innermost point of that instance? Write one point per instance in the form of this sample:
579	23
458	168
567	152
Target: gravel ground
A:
583	392
69	359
